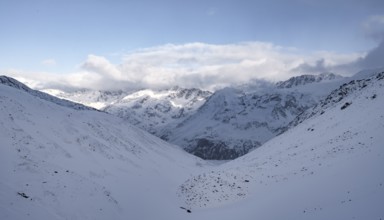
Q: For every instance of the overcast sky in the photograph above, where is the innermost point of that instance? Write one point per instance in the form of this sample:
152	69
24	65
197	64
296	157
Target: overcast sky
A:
104	44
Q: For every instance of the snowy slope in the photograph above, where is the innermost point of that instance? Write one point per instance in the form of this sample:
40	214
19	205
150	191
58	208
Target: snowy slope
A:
61	163
327	167
232	121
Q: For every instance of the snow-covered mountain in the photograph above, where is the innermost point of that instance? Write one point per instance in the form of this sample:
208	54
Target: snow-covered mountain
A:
232	122
62	163
156	111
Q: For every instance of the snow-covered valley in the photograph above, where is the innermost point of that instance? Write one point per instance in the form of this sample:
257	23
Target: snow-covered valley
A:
219	126
58	162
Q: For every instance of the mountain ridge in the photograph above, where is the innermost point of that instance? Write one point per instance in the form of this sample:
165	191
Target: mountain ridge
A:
62	102
307	79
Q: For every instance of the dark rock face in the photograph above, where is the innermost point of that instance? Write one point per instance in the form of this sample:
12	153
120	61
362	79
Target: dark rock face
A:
218	150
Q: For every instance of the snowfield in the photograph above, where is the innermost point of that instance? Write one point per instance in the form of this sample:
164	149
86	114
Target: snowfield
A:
62	163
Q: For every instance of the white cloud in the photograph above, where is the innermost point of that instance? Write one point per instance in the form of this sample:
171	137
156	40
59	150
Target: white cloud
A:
201	65
102	66
49	62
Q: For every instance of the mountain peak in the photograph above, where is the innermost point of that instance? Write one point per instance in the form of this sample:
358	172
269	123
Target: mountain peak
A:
307	79
13	83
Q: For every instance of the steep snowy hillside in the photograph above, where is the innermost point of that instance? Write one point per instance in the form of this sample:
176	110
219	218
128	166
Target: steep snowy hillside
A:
327	167
232	122
62	163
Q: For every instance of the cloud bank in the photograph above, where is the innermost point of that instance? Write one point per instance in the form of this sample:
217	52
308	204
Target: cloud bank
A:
374	27
199	65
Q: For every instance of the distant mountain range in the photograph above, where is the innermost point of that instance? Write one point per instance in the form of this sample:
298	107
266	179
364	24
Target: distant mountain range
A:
219	126
155	111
